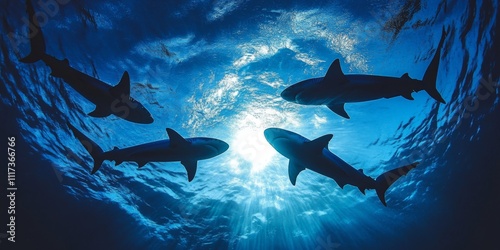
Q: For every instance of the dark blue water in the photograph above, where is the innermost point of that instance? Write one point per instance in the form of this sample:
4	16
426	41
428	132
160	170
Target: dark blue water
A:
216	69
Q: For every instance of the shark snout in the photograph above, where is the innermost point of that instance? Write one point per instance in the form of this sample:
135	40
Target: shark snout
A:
221	146
288	94
271	134
218	147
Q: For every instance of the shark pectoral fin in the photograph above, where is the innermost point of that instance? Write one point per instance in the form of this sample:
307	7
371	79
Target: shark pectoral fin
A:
293	171
191	167
100	112
319	143
338	109
408	96
123	87
335	74
176	139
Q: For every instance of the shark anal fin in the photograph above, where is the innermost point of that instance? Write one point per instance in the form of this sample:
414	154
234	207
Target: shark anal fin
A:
293	171
191	167
338	109
335	74
176	139
140	164
407	96
362	190
406	76
123	87
340	183
100	112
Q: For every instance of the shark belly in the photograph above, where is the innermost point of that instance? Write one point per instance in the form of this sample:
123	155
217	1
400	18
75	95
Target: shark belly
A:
317	94
322	164
92	89
341	172
159	151
363	88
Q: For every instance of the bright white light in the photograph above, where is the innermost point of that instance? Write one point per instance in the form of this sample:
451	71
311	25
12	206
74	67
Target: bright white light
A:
250	143
248	140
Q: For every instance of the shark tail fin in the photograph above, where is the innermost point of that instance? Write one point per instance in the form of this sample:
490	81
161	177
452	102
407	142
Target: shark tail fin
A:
385	180
37	41
94	150
430	75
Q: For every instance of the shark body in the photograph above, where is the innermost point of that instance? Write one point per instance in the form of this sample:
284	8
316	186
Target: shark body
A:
314	155
108	99
336	88
188	151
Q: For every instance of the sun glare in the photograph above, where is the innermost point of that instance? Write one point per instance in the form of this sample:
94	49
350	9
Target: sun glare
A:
254	148
249	142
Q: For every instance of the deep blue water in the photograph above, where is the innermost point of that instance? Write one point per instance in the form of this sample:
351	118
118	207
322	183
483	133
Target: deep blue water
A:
216	69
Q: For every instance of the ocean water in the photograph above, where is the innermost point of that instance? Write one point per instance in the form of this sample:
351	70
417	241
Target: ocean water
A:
216	69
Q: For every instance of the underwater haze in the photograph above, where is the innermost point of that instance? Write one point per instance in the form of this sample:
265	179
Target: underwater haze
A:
216	68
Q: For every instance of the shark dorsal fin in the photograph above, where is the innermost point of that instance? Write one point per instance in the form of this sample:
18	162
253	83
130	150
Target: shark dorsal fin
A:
123	87
293	171
338	109
175	138
319	143
191	167
335	74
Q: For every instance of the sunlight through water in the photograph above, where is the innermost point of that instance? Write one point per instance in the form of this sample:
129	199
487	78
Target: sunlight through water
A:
248	138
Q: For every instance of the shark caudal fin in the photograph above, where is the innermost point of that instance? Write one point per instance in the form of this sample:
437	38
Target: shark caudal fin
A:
94	150
430	75
37	41
385	180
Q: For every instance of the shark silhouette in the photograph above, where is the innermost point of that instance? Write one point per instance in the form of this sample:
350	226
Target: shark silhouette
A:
336	88
108	99
186	150
314	155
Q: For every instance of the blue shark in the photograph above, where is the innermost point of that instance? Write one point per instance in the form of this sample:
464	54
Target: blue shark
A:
108	99
315	155
186	150
335	88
